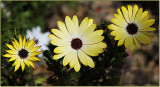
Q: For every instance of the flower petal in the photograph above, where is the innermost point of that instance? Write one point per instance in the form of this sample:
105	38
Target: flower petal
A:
125	13
12	51
130	12
135	9
92	40
63	28
83	25
68	58
10	46
148	29
82	57
138	15
22	65
17	66
70	26
74	59
60	34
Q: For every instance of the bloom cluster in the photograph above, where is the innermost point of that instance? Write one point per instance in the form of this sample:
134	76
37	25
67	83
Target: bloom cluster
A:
78	42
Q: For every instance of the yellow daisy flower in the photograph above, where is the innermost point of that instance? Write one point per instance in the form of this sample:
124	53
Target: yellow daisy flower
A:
22	52
130	27
77	42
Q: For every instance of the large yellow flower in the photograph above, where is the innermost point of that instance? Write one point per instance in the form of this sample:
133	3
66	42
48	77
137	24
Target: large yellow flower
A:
77	43
130	27
23	52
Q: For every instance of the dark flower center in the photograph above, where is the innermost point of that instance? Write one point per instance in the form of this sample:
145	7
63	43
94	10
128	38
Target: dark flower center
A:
76	43
132	28
23	53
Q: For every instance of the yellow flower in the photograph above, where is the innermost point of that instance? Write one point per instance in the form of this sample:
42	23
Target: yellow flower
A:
22	52
77	42
130	27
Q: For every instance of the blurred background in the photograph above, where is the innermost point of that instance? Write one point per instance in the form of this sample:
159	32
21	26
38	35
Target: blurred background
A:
140	67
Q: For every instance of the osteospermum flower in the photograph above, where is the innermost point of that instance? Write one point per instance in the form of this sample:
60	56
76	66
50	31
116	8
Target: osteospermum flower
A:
22	52
130	27
77	43
41	38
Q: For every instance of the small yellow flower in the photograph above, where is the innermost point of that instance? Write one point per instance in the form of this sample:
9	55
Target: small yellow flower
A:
77	43
22	52
130	27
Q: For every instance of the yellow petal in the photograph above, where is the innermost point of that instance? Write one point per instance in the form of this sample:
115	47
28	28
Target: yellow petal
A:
31	63
62	49
77	66
35	53
63	28
89	30
101	45
60	34
22	65
116	22
148	34
135	9
24	41
95	34
91	50
82	57
30	43
15	45
90	62
26	62
16	62
70	26
147	24
144	14
83	25
90	22
143	20
127	41
130	12
125	13
121	41
10	46
12	51
68	58
34	49
92	40
138	15
17	66
136	42
31	46
20	40
58	42
131	44
148	29
26	44
34	59
74	59
58	56
120	19
76	23
114	27
120	35
12	59
9	55
119	12
143	38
